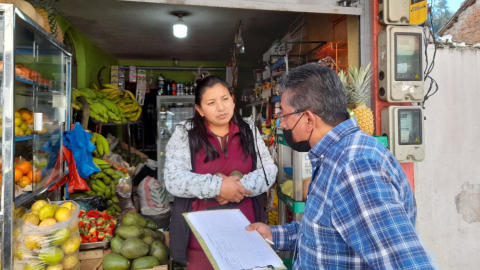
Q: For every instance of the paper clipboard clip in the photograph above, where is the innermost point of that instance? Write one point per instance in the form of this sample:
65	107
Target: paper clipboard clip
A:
261	267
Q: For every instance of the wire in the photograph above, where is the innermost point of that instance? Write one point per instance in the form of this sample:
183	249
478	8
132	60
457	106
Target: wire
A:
429	68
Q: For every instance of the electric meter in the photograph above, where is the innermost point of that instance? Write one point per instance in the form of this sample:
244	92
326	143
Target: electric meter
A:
402	12
403	125
400	63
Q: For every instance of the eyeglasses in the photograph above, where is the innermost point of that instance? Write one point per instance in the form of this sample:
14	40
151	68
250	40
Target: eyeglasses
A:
281	116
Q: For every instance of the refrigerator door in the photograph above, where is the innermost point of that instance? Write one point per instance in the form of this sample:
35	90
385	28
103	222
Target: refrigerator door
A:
171	110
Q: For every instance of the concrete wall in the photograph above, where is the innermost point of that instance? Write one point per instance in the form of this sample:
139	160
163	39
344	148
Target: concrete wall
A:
452	160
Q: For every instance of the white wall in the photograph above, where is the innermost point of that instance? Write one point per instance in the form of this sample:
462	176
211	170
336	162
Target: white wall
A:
452	159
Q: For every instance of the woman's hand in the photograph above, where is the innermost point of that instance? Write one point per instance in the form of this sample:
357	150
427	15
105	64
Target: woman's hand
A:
221	200
232	190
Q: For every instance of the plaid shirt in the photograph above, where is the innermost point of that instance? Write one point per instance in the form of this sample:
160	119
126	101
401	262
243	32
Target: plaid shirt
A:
360	211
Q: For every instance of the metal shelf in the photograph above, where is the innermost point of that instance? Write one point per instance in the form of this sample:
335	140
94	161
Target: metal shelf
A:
31	137
296	207
24	198
96	122
34	84
256	103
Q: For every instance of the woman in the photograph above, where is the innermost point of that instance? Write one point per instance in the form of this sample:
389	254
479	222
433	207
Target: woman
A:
201	155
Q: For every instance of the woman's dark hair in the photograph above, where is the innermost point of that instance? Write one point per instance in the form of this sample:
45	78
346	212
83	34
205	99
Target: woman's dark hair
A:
198	136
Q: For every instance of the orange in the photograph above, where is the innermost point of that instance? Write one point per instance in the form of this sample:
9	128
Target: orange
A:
16	110
24	181
18	175
24	166
25	116
30	121
0	178
35	178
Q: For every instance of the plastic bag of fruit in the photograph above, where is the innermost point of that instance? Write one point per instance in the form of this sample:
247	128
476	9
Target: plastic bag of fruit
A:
47	236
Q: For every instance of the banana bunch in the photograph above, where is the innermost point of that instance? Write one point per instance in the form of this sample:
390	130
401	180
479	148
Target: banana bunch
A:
125	100
109	105
102	145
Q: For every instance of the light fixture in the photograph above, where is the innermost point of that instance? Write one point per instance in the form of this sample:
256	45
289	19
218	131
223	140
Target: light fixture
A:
180	29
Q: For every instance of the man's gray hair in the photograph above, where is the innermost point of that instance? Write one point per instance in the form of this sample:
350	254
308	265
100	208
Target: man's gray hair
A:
318	89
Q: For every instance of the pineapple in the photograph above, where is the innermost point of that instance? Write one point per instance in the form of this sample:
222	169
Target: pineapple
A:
44	14
357	88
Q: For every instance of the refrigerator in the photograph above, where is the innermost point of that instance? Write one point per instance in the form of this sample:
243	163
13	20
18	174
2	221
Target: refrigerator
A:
171	110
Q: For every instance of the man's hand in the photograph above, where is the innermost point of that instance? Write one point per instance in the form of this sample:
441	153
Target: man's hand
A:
262	228
231	190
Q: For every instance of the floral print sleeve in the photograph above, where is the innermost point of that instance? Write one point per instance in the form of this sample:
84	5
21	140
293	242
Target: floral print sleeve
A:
179	179
255	181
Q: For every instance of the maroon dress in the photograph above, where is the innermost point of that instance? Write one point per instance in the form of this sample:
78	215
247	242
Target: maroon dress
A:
231	159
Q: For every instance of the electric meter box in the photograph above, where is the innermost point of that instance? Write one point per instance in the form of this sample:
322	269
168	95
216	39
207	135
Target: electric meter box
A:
403	125
400	64
402	12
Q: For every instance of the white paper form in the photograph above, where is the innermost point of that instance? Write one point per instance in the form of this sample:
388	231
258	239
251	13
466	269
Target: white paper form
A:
232	247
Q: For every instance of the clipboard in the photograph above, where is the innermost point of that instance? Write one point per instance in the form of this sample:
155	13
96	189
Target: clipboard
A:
260	246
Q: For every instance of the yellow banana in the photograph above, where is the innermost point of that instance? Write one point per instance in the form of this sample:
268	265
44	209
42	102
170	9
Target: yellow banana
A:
130	94
108	85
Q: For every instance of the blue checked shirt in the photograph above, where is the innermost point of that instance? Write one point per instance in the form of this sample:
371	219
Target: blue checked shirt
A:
360	212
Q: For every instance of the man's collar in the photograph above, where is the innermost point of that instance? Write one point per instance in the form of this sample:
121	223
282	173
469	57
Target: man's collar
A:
333	136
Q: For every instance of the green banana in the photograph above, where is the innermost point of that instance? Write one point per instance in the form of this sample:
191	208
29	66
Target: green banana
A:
110	172
107	180
100	162
105	166
112	115
101	184
108	194
99	175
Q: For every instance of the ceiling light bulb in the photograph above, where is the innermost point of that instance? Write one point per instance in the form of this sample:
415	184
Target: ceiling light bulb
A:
180	28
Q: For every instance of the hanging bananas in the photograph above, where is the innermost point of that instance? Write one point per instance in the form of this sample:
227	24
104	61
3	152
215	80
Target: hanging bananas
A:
109	105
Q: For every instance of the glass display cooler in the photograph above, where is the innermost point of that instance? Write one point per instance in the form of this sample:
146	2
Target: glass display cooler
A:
35	108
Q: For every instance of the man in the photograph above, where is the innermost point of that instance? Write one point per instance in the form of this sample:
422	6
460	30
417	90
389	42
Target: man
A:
360	211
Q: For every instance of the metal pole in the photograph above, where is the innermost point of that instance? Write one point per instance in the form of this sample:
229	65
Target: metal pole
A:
129	144
8	142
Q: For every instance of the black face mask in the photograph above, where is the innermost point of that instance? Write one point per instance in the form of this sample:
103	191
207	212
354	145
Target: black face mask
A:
302	146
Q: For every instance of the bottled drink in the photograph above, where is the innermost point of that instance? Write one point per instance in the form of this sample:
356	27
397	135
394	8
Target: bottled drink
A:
161	85
174	88
169	88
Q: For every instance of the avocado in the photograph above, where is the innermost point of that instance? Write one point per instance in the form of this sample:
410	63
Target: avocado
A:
148	240
116	244
159	236
146	262
134	219
126	232
152	225
114	261
148	232
134	248
236	173
159	250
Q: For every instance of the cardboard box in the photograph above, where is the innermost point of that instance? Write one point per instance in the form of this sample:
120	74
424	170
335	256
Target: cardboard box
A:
133	150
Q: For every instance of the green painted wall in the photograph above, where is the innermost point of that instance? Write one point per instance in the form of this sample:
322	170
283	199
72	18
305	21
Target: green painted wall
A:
90	57
176	75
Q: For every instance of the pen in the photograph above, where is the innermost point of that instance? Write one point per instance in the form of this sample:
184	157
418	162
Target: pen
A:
269	241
